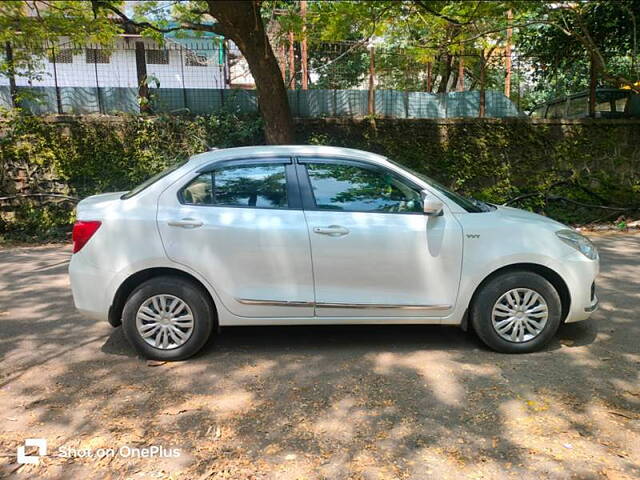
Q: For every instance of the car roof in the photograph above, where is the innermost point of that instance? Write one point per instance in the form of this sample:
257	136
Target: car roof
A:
284	150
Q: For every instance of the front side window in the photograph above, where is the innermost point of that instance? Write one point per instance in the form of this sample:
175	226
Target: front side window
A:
261	186
354	188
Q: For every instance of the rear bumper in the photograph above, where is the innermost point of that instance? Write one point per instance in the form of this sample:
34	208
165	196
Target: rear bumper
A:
89	288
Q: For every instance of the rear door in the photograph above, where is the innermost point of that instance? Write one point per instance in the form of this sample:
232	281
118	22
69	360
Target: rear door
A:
240	225
374	251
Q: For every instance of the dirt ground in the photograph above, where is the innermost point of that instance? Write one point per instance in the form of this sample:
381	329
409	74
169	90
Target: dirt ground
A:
367	402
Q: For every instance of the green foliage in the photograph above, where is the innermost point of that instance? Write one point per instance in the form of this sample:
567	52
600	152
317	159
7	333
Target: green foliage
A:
584	163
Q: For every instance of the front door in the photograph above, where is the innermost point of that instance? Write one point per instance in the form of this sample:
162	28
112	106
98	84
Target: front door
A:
375	253
241	226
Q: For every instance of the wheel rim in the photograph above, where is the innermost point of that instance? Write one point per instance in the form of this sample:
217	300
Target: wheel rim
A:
520	315
164	321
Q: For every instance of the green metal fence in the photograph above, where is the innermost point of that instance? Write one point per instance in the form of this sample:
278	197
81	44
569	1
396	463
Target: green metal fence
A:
303	103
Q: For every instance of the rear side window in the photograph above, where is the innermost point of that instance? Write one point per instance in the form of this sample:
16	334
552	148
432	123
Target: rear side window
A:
260	186
152	180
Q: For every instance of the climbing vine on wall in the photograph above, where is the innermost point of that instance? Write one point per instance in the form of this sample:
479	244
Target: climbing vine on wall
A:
568	171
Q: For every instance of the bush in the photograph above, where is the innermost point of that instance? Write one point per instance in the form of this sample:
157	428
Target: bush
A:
555	168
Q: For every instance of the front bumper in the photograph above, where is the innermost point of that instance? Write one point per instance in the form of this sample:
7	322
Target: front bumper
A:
580	275
594	300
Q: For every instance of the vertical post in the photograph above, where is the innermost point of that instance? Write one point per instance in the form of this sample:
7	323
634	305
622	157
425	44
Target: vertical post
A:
371	100
184	89
282	62
507	57
227	67
95	69
292	62
13	89
429	76
141	72
303	45
55	81
593	79
483	73
460	84
519	80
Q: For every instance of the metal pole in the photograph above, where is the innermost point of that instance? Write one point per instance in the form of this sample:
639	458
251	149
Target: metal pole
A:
184	90
95	68
55	81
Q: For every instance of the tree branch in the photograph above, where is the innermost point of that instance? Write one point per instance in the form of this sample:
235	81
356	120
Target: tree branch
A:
435	13
215	28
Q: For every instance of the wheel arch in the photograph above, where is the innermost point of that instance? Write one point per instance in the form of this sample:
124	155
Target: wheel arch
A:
547	273
134	280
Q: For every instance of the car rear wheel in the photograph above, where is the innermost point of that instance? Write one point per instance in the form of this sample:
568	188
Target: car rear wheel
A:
516	312
168	318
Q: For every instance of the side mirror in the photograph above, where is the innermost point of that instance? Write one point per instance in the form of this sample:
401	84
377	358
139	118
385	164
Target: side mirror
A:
431	206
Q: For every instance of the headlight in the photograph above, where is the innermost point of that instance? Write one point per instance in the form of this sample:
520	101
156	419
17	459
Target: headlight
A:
579	242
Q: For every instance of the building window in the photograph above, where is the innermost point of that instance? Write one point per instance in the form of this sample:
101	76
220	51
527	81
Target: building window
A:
157	57
195	60
61	56
95	55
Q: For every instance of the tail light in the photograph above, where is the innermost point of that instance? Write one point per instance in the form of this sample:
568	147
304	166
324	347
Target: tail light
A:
82	232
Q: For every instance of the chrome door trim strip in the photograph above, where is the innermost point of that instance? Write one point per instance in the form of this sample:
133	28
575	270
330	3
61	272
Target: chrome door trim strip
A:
286	303
274	303
382	305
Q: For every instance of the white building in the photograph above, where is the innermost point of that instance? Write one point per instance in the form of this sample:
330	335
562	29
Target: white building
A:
184	63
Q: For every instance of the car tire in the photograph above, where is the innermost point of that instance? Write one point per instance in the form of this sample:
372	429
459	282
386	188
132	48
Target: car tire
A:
170	336
510	319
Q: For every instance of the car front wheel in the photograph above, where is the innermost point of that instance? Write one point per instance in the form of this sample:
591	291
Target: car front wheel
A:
167	318
516	312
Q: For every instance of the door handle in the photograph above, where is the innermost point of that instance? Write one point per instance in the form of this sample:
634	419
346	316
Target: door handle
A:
331	230
185	223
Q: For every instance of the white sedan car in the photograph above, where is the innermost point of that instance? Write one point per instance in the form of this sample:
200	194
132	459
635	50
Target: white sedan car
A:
310	235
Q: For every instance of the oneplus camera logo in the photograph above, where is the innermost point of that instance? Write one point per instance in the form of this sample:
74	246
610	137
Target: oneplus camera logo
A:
40	443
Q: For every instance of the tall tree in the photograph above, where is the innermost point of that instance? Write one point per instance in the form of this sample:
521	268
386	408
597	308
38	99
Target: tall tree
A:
241	22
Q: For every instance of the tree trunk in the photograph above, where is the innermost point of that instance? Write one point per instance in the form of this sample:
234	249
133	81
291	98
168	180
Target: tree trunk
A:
292	62
242	23
446	74
282	60
13	89
141	73
429	85
371	100
507	57
460	82
593	79
483	73
303	46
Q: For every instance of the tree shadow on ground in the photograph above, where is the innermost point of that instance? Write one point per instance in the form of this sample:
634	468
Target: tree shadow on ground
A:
322	402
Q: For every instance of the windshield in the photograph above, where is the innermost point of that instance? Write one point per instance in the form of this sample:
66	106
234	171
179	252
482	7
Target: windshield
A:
469	204
152	180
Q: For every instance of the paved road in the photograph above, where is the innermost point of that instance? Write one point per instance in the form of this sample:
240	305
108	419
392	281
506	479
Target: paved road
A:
327	402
